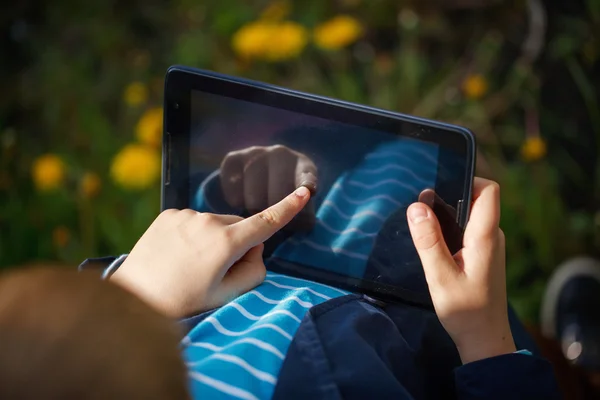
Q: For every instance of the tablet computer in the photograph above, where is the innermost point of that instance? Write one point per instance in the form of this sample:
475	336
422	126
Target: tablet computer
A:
235	146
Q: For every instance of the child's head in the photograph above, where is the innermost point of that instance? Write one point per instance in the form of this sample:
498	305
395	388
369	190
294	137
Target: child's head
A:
68	335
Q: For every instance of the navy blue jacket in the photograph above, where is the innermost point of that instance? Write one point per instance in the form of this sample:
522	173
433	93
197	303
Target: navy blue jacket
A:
348	348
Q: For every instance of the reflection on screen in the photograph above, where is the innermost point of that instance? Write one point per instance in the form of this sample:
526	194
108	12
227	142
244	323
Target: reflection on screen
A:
245	157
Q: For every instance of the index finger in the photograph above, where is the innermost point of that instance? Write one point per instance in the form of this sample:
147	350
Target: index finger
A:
258	228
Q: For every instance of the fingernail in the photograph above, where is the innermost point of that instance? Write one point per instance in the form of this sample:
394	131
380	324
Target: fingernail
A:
310	186
417	213
302	192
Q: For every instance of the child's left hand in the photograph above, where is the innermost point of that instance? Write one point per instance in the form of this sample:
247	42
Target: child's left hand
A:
188	262
468	288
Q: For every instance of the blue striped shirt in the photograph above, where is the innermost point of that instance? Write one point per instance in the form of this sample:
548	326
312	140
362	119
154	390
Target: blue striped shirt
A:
238	350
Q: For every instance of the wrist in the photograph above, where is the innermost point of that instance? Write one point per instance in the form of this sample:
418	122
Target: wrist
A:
128	278
479	347
153	292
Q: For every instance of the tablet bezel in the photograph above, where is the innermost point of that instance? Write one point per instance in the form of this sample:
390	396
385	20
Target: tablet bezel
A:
179	83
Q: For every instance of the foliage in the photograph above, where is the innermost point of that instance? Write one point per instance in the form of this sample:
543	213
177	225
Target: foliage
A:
80	116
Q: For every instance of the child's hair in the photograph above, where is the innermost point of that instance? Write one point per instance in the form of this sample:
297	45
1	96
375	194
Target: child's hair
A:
69	335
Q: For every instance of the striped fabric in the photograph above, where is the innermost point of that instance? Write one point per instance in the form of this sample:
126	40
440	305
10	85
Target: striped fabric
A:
237	352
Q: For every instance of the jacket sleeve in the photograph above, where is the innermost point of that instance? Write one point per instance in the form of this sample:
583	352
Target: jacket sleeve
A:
510	376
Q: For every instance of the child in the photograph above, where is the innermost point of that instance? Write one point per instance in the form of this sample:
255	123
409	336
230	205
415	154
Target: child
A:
286	338
66	335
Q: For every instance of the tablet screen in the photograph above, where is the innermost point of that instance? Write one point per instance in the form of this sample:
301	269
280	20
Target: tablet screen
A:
246	152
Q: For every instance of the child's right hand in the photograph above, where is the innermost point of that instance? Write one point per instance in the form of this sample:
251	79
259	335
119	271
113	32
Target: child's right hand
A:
468	289
188	262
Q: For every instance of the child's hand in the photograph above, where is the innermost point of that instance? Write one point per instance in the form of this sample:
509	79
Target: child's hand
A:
469	289
188	262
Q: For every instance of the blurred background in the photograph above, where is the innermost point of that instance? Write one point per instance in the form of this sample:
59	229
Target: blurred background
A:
81	119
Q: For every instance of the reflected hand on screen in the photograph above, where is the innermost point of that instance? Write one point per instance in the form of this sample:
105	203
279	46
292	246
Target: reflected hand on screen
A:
260	176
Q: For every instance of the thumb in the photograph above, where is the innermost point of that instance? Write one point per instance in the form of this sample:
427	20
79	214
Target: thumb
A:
426	233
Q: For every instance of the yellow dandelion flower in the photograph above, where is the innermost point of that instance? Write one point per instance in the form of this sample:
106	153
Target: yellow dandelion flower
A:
61	236
48	172
135	93
288	41
136	166
149	127
277	10
475	87
90	184
270	41
533	149
338	32
251	40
